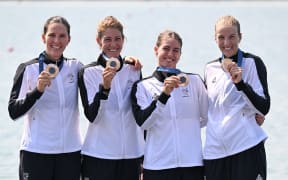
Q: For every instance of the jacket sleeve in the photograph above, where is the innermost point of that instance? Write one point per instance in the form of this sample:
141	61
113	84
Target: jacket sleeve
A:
256	89
90	109
203	102
19	105
144	109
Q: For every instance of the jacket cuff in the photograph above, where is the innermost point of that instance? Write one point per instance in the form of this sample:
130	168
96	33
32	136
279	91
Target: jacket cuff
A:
163	98
104	93
36	94
240	85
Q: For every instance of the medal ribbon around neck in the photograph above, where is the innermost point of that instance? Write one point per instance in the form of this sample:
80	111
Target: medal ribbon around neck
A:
41	59
183	77
239	57
169	70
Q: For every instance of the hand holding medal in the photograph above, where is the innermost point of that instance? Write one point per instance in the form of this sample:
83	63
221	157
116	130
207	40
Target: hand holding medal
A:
235	72
52	69
227	64
184	79
171	82
112	65
113	62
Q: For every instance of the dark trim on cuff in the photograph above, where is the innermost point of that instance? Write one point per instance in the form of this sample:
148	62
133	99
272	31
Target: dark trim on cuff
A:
240	85
36	93
163	98
104	93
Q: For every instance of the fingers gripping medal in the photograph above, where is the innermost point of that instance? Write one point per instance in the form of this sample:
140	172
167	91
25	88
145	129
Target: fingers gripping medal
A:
225	64
52	69
113	62
184	79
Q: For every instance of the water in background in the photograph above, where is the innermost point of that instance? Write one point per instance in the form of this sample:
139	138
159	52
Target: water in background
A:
264	28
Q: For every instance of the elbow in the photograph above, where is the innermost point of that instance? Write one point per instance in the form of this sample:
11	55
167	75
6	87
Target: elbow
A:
266	106
266	109
89	116
13	115
139	121
137	116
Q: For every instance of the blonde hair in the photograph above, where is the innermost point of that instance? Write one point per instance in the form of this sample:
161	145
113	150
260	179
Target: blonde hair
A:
228	20
109	22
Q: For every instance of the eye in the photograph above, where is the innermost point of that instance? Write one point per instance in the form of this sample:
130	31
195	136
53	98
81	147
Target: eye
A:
51	35
166	48
233	37
220	38
107	40
63	35
177	50
118	39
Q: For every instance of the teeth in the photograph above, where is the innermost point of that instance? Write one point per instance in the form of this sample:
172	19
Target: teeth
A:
56	47
113	50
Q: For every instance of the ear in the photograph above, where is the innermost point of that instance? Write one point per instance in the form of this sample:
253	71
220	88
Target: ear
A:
43	38
156	50
240	37
215	38
98	40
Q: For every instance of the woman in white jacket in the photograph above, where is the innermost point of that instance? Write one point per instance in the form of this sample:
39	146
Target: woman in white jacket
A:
45	93
237	89
113	145
172	114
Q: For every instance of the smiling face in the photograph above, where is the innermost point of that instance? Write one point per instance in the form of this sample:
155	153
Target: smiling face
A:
168	49
56	38
111	42
227	35
168	53
110	36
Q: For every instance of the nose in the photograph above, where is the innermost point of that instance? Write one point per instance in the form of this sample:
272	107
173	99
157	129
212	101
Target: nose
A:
226	41
57	39
170	53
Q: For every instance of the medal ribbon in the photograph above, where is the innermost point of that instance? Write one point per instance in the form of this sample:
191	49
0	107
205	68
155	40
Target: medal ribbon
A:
239	57
169	70
41	62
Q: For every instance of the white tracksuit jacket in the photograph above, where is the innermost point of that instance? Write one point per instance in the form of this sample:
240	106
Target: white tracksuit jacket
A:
173	123
112	132
231	126
51	119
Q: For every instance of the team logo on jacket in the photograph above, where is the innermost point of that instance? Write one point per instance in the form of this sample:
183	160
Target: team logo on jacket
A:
185	92
129	84
70	78
214	80
155	96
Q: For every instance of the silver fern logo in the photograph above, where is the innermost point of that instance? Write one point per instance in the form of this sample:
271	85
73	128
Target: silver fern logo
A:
259	177
25	176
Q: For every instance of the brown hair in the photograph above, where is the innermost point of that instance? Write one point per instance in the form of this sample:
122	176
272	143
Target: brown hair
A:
56	19
168	34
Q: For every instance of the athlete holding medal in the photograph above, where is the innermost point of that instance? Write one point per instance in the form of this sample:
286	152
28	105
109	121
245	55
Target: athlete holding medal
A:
114	144
172	108
238	91
45	92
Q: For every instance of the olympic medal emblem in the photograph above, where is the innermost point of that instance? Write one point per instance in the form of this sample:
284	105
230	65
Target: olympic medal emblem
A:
184	79
225	64
113	62
52	69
